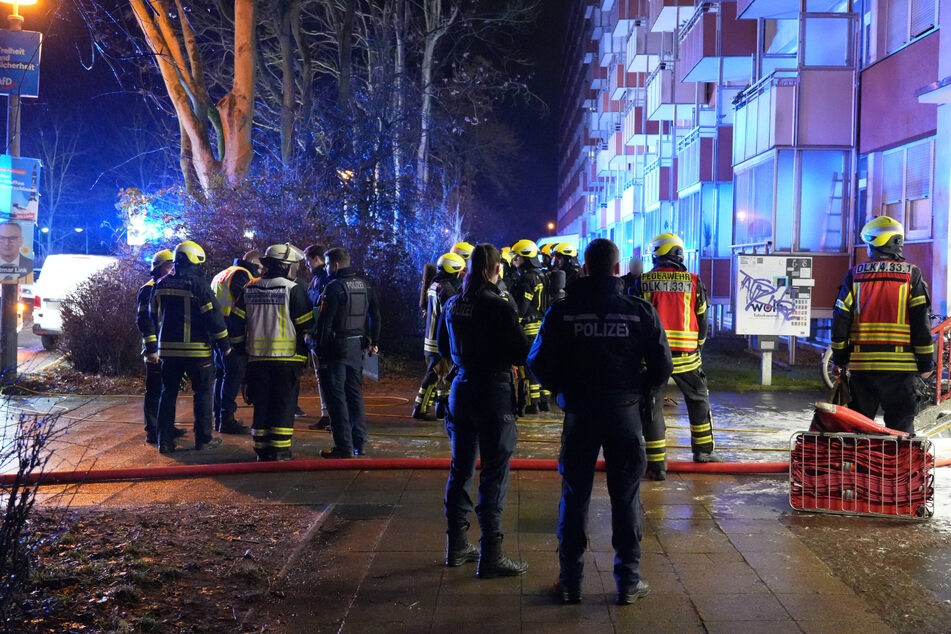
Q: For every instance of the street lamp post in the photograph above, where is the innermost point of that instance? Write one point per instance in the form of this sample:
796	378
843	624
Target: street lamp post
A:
9	296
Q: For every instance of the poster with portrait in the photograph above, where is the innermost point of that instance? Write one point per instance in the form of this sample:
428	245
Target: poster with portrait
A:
16	250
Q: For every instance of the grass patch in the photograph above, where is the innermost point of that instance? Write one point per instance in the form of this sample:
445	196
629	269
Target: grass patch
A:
729	366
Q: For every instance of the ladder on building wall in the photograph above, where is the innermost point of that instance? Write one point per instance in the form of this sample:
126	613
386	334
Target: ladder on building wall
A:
832	221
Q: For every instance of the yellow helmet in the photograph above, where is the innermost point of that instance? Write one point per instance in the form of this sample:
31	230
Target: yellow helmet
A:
878	231
565	248
525	248
163	256
506	254
451	262
665	243
190	251
546	248
463	249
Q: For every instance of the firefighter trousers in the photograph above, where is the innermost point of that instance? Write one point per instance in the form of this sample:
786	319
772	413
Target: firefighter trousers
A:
273	389
229	372
201	371
616	430
433	386
893	391
693	385
153	393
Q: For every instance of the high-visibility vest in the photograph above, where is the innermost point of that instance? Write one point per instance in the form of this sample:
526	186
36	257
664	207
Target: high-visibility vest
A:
221	285
674	294
880	298
271	331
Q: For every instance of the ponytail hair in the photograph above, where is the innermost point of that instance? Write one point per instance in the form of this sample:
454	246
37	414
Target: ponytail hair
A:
482	264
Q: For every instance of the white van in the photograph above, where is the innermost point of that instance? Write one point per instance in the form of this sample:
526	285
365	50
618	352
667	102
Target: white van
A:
60	276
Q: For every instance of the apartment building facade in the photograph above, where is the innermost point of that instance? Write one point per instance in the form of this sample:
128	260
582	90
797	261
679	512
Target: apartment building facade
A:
755	126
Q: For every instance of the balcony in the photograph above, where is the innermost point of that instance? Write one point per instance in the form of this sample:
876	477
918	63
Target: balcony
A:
619	81
646	49
713	35
657	179
636	128
666	15
597	76
665	94
794	109
775	9
704	155
624	13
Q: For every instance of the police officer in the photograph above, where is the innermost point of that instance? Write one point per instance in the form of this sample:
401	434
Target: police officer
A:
601	352
348	326
480	332
446	284
185	324
314	256
681	301
229	370
531	297
273	313
882	333
565	259
161	265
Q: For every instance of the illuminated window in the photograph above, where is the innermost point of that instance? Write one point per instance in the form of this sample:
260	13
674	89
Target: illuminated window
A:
754	191
822	201
906	187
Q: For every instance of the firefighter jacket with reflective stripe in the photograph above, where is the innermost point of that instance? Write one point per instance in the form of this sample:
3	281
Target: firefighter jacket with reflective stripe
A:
228	283
531	297
347	310
881	320
599	346
681	301
443	287
185	318
481	334
274	314
142	300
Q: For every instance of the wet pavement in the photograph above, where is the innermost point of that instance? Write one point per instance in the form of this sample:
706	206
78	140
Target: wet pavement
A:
722	553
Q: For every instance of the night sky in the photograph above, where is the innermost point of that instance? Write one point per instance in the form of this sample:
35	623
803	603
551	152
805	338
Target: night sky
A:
121	132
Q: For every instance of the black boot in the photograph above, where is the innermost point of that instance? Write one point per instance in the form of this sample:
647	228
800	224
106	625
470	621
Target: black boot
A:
494	563
458	549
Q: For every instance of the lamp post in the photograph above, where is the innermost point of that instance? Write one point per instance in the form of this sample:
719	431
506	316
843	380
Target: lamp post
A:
10	292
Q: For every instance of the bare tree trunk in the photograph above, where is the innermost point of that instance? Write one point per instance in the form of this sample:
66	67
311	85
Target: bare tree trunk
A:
307	80
399	71
345	48
436	27
237	107
285	10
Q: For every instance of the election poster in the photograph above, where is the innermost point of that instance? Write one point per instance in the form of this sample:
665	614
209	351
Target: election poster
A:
19	188
773	295
16	250
20	62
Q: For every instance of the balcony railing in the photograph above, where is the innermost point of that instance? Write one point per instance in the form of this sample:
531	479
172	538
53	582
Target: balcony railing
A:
665	15
665	94
646	49
715	47
703	156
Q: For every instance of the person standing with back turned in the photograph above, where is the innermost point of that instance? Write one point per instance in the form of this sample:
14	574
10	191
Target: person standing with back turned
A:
480	332
602	352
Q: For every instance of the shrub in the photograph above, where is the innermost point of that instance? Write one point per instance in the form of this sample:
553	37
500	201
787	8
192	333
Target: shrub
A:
99	331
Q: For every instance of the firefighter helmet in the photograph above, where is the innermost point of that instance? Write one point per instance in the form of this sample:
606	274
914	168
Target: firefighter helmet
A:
190	251
565	248
546	248
462	249
506	254
878	231
163	256
665	244
525	248
451	263
283	254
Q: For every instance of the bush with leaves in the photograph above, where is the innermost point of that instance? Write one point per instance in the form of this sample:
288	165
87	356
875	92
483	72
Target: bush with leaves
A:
99	331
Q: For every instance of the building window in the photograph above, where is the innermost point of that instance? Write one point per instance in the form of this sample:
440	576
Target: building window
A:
753	196
822	201
906	187
827	41
907	19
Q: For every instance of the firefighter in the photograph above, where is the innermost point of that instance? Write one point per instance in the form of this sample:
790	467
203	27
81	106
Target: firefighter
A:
314	256
446	284
565	259
881	329
463	249
544	255
480	332
597	328
681	301
229	370
348	327
161	266
531	297
272	315
183	325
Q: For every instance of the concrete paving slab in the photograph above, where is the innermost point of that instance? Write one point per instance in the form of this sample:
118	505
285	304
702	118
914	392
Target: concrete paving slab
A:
738	607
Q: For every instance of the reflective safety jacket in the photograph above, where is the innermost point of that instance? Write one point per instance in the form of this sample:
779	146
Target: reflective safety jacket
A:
184	320
443	287
681	301
348	311
274	314
142	300
598	346
531	297
881	321
228	283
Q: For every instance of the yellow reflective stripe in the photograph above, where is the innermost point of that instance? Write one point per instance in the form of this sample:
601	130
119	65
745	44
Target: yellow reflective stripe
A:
841	306
885	367
838	345
297	357
282	430
259	432
236	339
304	318
654	444
701	440
697	429
702	308
903	304
220	335
280	444
150	338
917	301
206	307
187	332
240	313
528	295
184	354
656	457
924	349
225	310
882	355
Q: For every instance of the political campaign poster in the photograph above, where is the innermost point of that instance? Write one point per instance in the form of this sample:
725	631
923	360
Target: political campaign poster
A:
19	183
773	295
20	62
16	250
